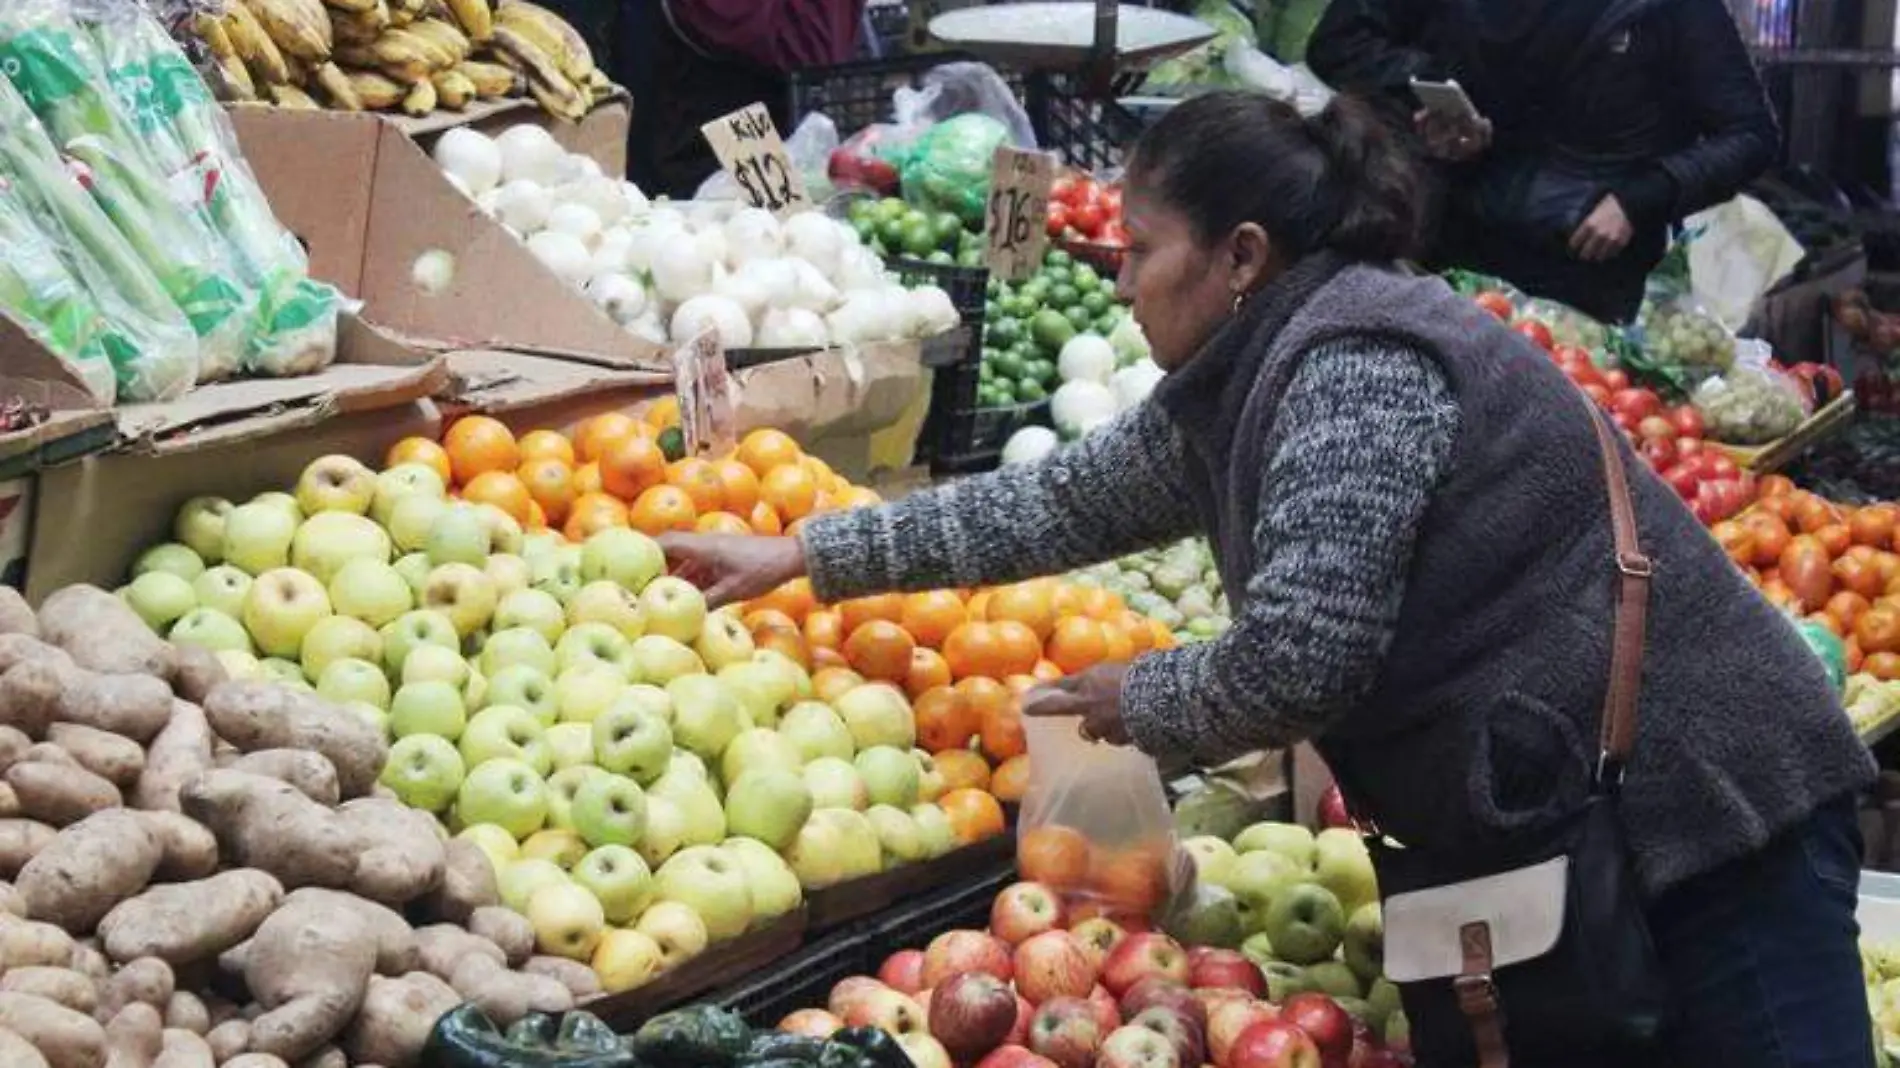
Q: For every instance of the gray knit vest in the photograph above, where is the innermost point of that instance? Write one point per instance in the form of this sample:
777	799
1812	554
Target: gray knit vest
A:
1485	717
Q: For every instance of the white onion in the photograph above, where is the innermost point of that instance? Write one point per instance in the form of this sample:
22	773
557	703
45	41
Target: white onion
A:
776	277
790	328
681	269
1132	384
564	254
933	312
811	290
1086	358
522	206
712	243
622	298
748	291
1081	406
612	250
648	328
577	219
710	311
816	239
867	315
752	234
858	268
637	201
530	152
472	158
1029	444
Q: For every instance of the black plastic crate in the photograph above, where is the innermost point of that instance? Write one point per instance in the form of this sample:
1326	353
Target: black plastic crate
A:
968	287
966	905
800	981
1089	133
972	439
858	94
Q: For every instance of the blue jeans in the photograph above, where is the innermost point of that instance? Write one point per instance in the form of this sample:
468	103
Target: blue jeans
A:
1763	954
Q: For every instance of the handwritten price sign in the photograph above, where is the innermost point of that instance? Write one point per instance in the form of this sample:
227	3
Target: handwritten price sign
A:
748	146
704	385
1018	212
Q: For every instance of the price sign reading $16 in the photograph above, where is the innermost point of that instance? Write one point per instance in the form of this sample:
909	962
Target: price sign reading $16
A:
1018	212
748	146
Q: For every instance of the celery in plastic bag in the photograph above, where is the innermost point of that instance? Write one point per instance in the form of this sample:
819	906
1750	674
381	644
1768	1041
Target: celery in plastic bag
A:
153	350
51	61
36	288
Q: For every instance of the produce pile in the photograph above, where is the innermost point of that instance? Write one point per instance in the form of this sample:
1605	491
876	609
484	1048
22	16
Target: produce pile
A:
1176	587
134	242
412	55
1085	215
1880	967
203	872
1875	336
667	272
1061	325
890	227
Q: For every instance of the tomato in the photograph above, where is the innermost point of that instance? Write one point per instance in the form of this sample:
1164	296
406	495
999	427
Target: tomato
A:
1660	452
1712	464
1597	394
1688	421
1703	511
1537	332
1112	201
1730	496
1636	404
1114	234
1616	379
1689	445
1062	189
1656	427
1682	478
1086	217
1569	353
1058	218
1497	304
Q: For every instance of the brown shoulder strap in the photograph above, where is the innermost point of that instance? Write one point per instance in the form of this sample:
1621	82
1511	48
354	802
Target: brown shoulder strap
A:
1634	570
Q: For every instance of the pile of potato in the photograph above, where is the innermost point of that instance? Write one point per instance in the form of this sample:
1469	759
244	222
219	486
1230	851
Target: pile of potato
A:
204	874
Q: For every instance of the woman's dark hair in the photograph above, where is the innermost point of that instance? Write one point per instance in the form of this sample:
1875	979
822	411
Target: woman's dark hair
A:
1338	181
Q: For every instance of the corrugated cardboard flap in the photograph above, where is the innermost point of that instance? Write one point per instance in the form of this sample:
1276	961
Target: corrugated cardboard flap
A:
838	391
493	381
31	373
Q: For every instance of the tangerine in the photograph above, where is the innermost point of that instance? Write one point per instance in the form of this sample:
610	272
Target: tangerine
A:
422	451
764	519
1047	671
547	445
1002	732
790	490
600	435
1010	781
477	444
701	482
765	450
888	607
880	650
662	508
593	513
537	516
662	413
632	466
1018	648
550	483
974	815
1079	643
931	616
928	670
738	486
945	721
1054	855
962	770
503	489
829	684
1030	603
587	479
824	629
973	650
849	497
795	599
722	523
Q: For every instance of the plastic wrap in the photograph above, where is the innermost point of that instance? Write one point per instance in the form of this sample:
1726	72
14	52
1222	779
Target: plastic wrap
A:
1752	403
950	168
1676	330
37	289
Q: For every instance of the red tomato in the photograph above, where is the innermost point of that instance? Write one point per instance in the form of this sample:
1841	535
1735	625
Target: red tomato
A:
1562	353
1536	331
1112	201
1113	233
1660	452
1682	478
1616	379
1598	394
1087	217
1637	404
1687	446
1688	421
1497	304
1064	190
1058	218
1703	511
1656	427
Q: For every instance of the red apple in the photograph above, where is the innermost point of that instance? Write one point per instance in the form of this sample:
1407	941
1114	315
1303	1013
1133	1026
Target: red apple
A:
1166	993
1332	809
1015	1057
1196	954
956	952
1213	997
903	971
1140	956
1225	968
1053	964
1099	937
814	1023
972	1014
924	1051
922	998
1019	1032
886	1010
1066	1031
1107	1009
1188	1038
1137	1047
1364	1043
1025	910
850	991
1227	1023
1274	1044
1329	1026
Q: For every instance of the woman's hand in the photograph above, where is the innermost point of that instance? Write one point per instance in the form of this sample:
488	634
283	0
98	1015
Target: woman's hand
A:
1450	138
734	567
1095	695
1605	233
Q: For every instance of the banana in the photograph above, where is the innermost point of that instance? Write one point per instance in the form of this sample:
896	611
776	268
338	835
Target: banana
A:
289	96
524	55
357	57
211	32
350	5
474	17
421	99
237	80
406	57
337	86
291	30
453	89
376	91
360	27
567	46
560	98
404	12
446	36
490	79
254	46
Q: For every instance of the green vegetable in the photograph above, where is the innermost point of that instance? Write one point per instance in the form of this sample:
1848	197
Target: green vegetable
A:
467	1038
37	288
673	444
949	169
1829	649
877	1046
840	1055
698	1037
772	1045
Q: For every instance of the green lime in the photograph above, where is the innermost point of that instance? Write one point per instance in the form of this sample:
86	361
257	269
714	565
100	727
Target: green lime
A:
890	230
1026	350
1040	370
889	208
970	257
992	310
1079	318
1086	278
949	228
1004	332
994	287
866	228
673	444
1030	391
1057	276
1020	306
1051	330
1035	291
919	239
1057	258
1004	392
1009	366
1105	324
986	370
1096	301
1063	296
941	257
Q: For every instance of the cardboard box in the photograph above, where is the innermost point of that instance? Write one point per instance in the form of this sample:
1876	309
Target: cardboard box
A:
838	392
601	135
368	202
537	392
77	421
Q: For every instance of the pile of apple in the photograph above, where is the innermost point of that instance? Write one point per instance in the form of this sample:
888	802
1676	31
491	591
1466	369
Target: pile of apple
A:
1880	968
1177	586
1033	993
573	710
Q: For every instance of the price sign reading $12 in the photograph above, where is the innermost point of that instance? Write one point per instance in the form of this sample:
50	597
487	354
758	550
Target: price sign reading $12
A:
1018	212
748	146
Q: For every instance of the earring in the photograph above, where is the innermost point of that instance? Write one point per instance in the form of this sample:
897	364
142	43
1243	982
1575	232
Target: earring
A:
1240	301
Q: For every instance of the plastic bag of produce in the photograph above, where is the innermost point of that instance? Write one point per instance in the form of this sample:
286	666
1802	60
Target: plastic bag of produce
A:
1568	326
153	350
1095	824
1674	328
1752	404
969	111
37	289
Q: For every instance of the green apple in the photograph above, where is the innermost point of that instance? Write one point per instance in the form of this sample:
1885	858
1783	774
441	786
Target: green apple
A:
724	642
1382	1003
703	817
222	588
376	718
756	685
863	853
460	535
707	880
425	772
676	929
1344	867
674	608
559	846
257	537
794	682
563	786
538	543
521	685
428	708
536	610
160	598
370	590
350	679
506	732
666	830
519	880
611	604
1305	922
610	810
1334	979
626	960
891	775
706	717
594	643
584	691
1256	879
286	672
335	484
929	778
210	629
769	804
570	745
934	824
516	648
1259	949
619	879
632	739
817	731
498	845
876	713
1365	942
463	593
504	534
199	525
1284	980
567	921
239	664
432	663
768	878
622	556
283	502
410	631
328	540
1214	859
1211	917
414	570
658	660
412	519
508	572
281	607
817	855
558	573
1290	840
836	783
335	638
504	792
180	560
758	749
400	482
898	835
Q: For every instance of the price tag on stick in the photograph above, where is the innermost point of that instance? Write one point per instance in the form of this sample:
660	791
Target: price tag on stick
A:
748	146
1017	225
704	385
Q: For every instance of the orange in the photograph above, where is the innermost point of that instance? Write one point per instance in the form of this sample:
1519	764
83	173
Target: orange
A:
1134	879
1883	666
721	523
1120	647
550	482
931	616
631	467
537	516
977	605
880	650
794	598
928	670
738	486
1030	603
765	450
1068	599
700	481
546	445
888	607
1135	626
824	629
1021	684
420	451
764	519
597	436
856	497
829	684
758	619
592	513
790	490
478	444
1101	604
973	649
1078	643
662	508
962	770
662	413
785	640
828	658
1872	525
1011	779
503	489
1164	638
974	815
1017	646
587	479
1045	671
1002	732
1054	856
1776	486
945	721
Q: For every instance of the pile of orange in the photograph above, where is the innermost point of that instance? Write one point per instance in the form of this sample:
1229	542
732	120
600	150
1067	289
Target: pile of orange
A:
1130	880
1834	564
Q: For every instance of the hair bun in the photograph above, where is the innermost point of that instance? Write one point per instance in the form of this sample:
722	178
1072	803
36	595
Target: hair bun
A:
1382	211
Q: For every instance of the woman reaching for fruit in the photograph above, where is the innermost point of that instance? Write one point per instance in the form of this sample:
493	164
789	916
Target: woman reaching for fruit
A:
1411	514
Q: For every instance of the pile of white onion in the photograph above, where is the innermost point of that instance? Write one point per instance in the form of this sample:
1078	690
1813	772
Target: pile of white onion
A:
668	271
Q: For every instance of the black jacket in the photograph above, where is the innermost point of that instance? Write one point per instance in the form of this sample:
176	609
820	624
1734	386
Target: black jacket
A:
1655	101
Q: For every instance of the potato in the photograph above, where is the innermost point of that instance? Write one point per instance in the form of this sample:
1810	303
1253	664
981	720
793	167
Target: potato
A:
187	849
185	1012
11	903
20	839
67	1039
180	753
29	696
507	996
134	1037
25	943
13	746
468	883
135	706
184	1050
265	823
146	981
89	961
508	929
253	1060
63	985
254	715
577	977
112	757
228	1039
181	923
17	1052
401	856
101	633
89	868
48	753
311	773
309	968
199	671
17	649
396	1018
444	947
60	796
396	950
16	616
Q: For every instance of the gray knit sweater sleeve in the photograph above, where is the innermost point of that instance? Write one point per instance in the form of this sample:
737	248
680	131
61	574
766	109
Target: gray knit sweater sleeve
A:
1363	434
1117	491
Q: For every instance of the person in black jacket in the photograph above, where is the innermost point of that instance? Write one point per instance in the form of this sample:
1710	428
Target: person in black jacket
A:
1603	125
